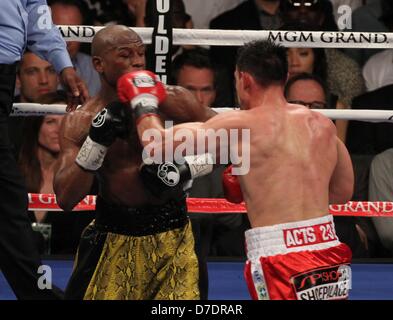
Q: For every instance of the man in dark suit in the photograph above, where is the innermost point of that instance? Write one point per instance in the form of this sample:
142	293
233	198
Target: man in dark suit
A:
249	15
366	137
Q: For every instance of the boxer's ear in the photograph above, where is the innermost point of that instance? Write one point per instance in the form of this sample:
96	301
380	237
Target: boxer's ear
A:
98	64
247	80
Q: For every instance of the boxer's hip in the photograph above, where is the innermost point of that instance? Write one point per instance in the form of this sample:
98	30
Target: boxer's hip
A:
312	234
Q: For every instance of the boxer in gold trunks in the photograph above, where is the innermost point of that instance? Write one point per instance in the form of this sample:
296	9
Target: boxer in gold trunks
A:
140	245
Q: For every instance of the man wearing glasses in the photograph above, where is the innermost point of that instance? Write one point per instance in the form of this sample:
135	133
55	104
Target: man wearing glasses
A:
308	90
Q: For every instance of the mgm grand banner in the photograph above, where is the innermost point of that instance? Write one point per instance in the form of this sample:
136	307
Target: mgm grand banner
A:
312	39
332	39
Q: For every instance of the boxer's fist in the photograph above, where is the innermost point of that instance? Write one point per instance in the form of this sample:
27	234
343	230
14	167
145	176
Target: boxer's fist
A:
166	180
109	124
141	88
232	190
106	126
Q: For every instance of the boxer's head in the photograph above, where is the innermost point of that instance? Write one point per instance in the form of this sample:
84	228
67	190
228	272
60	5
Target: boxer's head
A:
260	64
117	50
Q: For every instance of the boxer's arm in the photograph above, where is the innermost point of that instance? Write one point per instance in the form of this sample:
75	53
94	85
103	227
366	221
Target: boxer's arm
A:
342	181
197	134
181	106
71	182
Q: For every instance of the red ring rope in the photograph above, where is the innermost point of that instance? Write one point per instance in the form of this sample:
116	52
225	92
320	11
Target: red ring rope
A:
47	202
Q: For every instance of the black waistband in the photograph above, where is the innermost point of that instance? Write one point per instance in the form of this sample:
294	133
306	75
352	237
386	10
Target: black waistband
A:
140	221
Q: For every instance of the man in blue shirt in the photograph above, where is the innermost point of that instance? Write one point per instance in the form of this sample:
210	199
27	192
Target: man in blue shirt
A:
25	24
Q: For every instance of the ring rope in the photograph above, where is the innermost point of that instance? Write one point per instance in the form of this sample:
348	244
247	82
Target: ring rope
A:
48	202
36	109
209	37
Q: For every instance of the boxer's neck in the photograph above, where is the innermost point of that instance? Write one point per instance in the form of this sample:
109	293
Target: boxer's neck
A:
107	93
269	96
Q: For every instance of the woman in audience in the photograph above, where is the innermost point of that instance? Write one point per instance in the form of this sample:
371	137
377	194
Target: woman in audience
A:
37	158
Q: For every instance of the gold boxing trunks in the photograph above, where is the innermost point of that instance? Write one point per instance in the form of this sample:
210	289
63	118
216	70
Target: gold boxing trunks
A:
136	254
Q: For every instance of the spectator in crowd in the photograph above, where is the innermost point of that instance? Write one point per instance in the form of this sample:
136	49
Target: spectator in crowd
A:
108	12
136	11
317	14
307	60
35	77
202	15
72	12
39	152
381	189
194	70
248	15
309	90
378	71
367	19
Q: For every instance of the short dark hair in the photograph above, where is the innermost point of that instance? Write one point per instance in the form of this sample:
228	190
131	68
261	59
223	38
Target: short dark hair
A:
265	61
81	5
305	76
198	58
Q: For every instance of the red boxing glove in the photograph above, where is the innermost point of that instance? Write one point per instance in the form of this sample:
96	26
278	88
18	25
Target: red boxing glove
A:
141	88
232	191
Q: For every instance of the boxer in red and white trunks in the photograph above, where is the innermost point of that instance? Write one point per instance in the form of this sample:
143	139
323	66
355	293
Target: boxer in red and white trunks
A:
301	260
297	166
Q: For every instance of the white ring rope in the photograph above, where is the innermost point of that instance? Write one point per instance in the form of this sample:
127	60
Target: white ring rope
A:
208	37
36	109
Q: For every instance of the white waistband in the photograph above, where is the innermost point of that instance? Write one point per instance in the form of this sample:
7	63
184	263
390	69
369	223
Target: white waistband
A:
291	237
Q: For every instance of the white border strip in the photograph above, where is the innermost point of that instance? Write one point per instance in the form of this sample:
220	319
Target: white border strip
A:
208	37
36	109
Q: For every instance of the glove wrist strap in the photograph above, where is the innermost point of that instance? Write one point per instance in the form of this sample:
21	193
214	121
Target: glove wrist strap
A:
145	106
200	165
91	155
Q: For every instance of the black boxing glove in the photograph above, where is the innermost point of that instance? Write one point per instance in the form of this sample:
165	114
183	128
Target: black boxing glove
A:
168	179
109	124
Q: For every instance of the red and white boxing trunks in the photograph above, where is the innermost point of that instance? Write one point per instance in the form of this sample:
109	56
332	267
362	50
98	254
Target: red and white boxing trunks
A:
302	260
